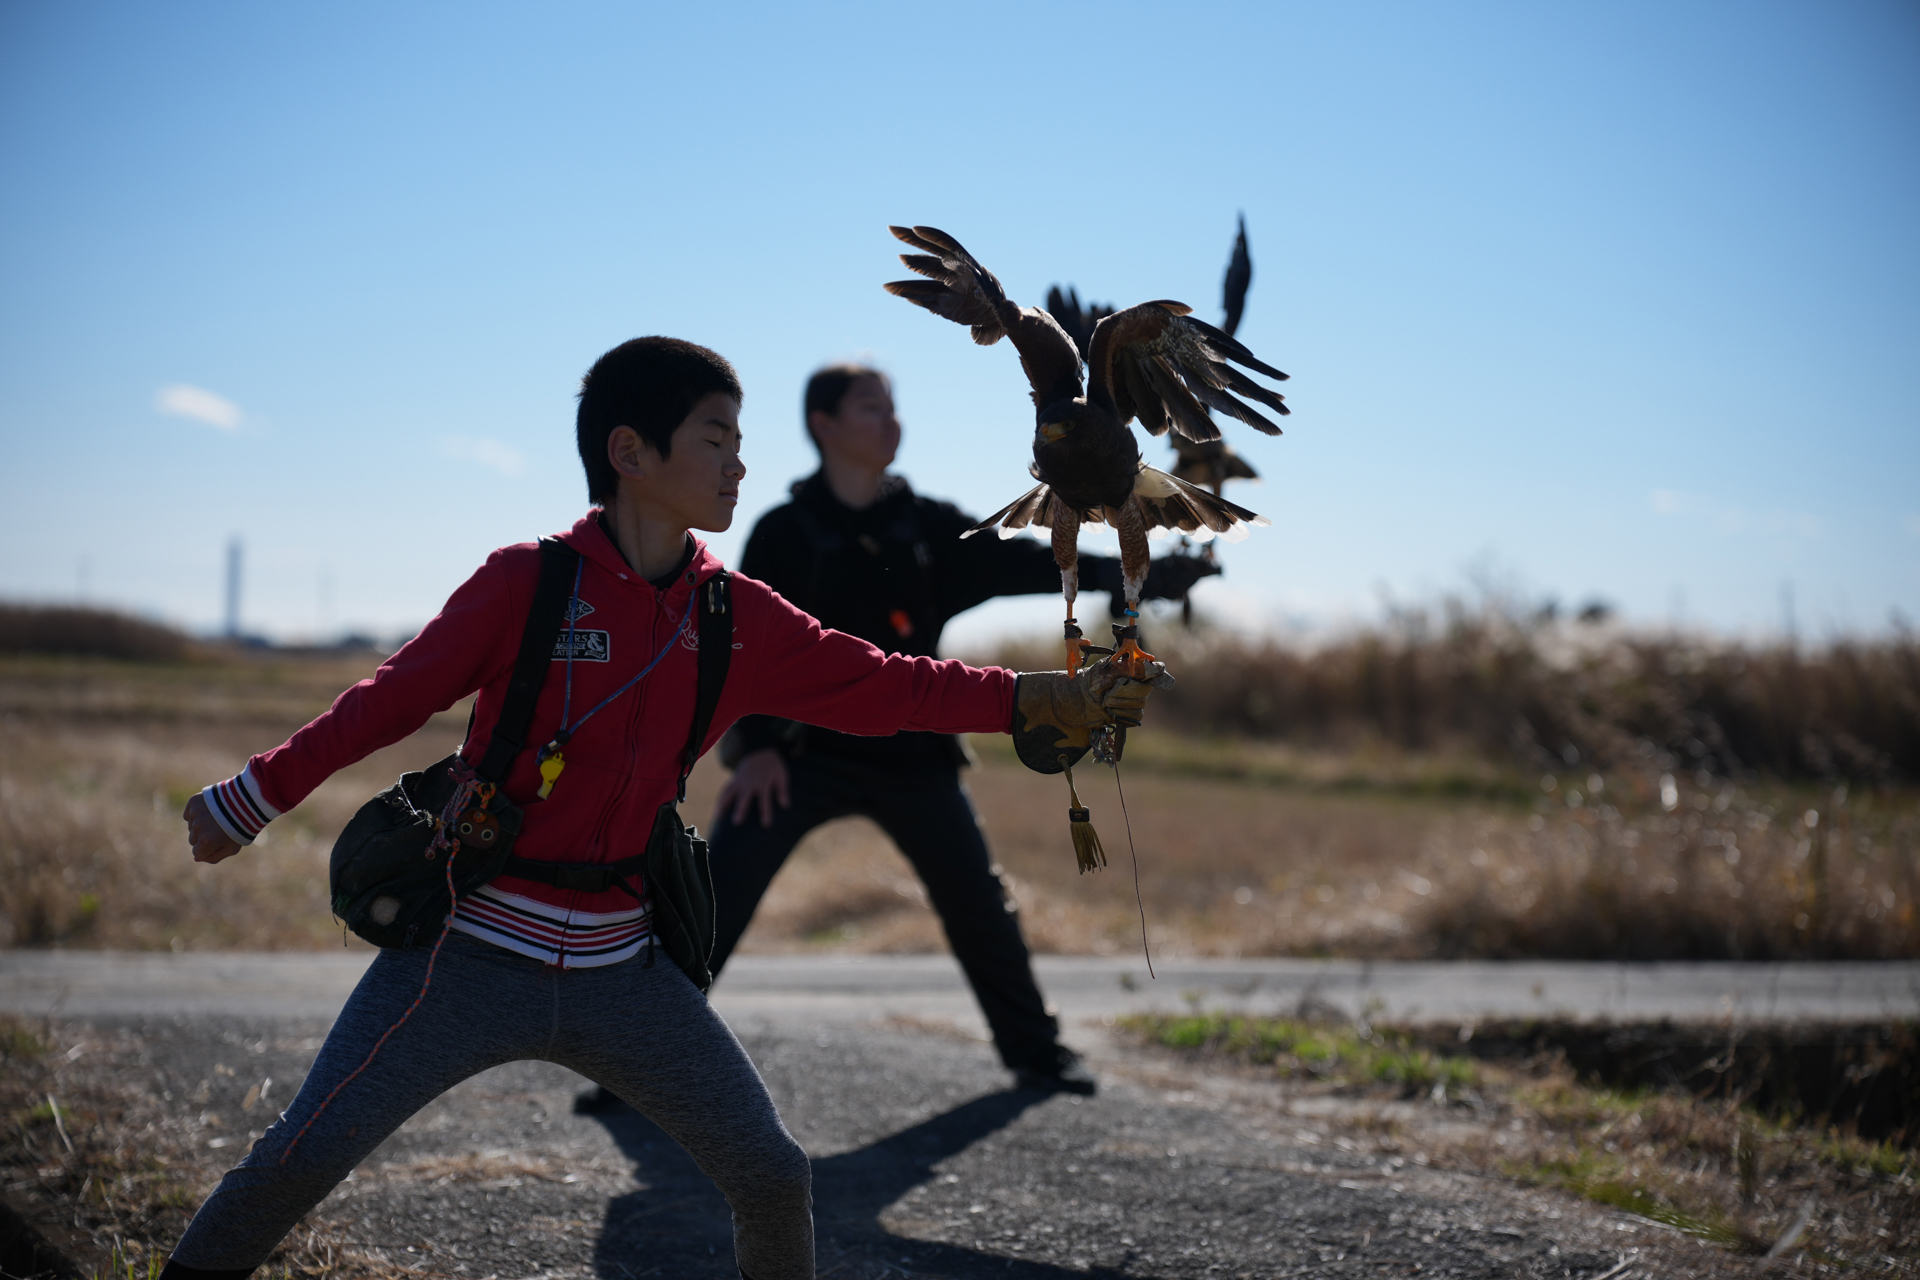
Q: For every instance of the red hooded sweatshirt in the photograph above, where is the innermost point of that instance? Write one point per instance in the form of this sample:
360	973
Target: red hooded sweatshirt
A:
624	763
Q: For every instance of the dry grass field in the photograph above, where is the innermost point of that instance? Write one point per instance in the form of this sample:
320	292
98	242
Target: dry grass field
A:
1700	1164
1245	847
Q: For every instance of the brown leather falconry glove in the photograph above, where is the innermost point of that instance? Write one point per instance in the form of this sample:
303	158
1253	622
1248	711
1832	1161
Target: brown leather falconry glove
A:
1055	714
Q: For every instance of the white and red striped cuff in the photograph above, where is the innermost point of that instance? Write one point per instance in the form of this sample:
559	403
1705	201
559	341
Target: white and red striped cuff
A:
238	808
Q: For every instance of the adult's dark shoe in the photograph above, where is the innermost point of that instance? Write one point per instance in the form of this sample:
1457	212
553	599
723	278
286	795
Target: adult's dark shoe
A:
1065	1074
597	1100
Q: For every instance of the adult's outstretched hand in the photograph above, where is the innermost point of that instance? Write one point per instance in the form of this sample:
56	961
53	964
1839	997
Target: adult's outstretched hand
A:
758	781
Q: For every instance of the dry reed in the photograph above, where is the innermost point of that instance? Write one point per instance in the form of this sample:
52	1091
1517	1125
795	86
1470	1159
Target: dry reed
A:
96	632
1549	693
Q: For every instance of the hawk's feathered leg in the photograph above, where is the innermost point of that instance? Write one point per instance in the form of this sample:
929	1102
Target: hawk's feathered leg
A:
1130	523
1066	554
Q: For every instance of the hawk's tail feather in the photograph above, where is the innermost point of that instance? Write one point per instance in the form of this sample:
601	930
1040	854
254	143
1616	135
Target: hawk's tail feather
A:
1168	502
1037	507
1016	515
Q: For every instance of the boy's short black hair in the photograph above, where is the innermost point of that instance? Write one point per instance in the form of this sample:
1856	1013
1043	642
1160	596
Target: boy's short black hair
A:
651	385
828	387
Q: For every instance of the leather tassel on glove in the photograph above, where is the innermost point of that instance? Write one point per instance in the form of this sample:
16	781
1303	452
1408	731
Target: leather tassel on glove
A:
1086	841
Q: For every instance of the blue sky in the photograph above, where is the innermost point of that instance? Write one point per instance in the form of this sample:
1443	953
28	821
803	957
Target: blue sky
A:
1614	301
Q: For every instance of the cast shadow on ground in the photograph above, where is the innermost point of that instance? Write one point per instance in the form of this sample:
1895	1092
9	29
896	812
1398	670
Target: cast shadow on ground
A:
678	1224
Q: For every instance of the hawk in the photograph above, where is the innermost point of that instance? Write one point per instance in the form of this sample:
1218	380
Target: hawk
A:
1154	362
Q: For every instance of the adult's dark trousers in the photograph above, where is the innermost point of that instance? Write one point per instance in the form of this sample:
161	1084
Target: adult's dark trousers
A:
927	814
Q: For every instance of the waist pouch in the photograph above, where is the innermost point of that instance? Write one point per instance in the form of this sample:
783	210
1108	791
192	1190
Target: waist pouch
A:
385	878
681	882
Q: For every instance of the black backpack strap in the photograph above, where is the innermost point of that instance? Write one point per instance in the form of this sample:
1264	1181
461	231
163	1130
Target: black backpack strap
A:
716	652
558	564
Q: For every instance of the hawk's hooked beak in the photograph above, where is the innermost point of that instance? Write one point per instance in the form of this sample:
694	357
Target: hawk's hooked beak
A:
1052	431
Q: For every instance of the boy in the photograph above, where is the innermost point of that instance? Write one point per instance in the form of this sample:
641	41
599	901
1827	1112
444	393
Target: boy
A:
858	549
531	970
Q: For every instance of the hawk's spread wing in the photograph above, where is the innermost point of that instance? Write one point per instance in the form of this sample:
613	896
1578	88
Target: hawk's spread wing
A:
1233	290
965	292
1159	364
1076	318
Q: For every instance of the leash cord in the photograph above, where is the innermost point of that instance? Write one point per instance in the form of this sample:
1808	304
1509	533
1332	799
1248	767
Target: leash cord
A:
1138	901
425	983
573	623
568	730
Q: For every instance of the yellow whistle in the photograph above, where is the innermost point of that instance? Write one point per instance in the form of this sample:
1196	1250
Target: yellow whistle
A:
550	773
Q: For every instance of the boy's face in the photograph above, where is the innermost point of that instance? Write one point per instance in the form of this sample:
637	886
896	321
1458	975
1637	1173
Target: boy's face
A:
864	431
698	484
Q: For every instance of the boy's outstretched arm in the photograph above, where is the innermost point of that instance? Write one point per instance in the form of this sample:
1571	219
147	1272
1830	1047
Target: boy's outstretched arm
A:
453	655
841	682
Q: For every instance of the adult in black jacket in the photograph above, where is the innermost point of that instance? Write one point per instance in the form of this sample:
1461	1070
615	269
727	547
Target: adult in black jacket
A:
859	550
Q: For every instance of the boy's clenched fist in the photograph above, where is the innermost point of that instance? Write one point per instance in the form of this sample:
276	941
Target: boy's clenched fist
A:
210	841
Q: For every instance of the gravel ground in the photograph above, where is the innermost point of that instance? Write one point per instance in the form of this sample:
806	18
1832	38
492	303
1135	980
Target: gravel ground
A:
925	1165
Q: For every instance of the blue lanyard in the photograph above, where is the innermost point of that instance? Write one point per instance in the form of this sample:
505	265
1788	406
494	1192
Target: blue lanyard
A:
566	730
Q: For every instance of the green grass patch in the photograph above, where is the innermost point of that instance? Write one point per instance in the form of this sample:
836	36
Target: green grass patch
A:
1604	1182
17	1042
122	1265
1344	1054
1866	1159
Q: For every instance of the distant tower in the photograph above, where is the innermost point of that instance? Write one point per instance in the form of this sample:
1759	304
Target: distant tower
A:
233	588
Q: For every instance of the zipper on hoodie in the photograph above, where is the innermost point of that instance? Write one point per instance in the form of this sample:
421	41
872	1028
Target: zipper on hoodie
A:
598	841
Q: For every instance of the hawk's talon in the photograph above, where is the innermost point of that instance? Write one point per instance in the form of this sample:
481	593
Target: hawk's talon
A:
1132	661
1077	647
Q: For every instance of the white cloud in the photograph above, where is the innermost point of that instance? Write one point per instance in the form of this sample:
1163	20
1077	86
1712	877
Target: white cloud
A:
1667	501
1733	520
488	453
183	401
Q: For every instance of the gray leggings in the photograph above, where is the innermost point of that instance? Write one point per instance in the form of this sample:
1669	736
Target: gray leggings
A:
645	1033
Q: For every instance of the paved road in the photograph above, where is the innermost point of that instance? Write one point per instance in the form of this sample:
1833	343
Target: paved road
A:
832	990
925	1163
